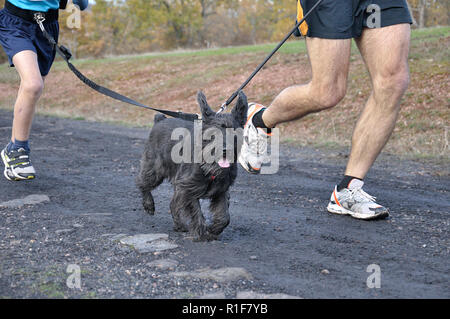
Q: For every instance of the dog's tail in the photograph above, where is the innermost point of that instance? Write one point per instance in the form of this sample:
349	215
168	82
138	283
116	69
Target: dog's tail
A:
159	118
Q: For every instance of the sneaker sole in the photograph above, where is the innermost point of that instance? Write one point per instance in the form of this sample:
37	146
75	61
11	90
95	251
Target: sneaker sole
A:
5	173
336	209
5	163
15	179
247	166
20	178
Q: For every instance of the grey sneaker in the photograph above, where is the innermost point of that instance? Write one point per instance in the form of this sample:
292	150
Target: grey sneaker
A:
17	165
355	202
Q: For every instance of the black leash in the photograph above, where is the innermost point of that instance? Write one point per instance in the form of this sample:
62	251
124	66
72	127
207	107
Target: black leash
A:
66	55
235	94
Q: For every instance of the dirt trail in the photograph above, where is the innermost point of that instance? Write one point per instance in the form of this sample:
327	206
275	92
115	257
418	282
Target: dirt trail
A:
280	240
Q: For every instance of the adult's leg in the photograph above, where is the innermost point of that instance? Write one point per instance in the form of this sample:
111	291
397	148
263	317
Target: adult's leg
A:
31	87
385	53
329	60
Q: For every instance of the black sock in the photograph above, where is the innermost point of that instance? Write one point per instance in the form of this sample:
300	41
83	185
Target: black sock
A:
258	121
345	182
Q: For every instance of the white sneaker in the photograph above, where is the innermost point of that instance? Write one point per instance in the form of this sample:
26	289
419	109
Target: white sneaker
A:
355	202
17	165
254	147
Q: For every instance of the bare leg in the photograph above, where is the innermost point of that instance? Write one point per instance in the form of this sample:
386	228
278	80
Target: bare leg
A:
31	87
329	62
385	52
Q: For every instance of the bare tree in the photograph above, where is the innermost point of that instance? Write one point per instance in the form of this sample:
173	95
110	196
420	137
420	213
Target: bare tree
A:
422	11
412	14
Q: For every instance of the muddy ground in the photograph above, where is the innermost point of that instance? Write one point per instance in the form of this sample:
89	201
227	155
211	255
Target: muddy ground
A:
281	239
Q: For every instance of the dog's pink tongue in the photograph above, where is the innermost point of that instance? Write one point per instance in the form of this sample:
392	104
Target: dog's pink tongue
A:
224	163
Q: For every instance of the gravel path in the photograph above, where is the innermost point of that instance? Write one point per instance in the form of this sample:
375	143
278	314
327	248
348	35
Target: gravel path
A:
83	213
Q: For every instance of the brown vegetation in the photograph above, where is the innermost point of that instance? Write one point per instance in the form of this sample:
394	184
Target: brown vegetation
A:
118	27
171	80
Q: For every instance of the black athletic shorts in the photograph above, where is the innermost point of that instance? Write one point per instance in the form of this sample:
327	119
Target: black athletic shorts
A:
345	19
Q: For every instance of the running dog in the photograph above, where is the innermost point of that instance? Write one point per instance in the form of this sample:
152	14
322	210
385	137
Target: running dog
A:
192	179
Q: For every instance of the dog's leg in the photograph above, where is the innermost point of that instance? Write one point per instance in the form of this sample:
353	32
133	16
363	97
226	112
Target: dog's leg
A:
176	209
147	180
220	215
184	204
197	226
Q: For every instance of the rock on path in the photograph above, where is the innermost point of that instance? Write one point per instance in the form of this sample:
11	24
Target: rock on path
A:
146	243
222	275
163	264
256	295
29	200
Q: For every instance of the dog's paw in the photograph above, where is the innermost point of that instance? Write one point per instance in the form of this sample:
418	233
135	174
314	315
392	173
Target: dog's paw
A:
180	229
205	237
149	208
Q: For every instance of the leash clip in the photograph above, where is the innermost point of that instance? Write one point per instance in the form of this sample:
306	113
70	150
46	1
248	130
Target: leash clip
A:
222	108
39	17
66	52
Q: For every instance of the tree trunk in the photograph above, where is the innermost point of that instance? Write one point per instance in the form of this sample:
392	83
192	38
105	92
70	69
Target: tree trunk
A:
411	13
422	8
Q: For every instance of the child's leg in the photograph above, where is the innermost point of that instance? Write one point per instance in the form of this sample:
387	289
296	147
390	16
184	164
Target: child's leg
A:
31	87
15	156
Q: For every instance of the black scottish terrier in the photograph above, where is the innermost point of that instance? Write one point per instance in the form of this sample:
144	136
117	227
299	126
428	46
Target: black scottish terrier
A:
194	179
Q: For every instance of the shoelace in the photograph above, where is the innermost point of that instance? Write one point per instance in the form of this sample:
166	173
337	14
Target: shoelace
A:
258	144
361	195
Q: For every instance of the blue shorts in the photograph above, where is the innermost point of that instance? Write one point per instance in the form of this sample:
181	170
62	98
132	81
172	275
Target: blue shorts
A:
17	35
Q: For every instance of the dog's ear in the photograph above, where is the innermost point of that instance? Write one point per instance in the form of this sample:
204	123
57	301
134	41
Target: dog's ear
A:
204	107
239	112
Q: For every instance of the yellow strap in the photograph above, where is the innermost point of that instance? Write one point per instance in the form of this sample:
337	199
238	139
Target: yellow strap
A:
304	26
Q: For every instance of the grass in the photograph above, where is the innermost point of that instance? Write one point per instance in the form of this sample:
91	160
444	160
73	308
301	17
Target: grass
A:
51	290
171	80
